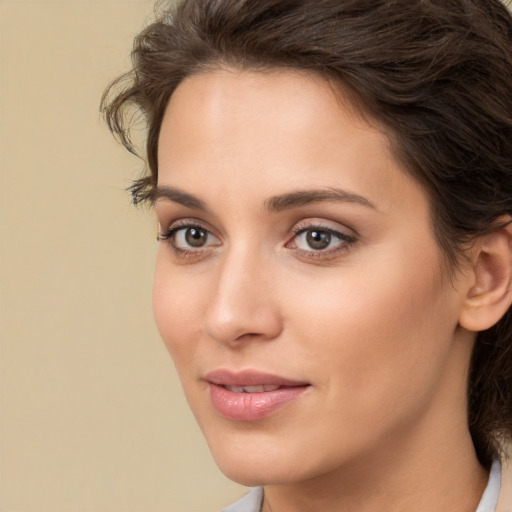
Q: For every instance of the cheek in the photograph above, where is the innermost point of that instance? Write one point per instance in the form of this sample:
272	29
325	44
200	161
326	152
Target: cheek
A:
380	332
178	307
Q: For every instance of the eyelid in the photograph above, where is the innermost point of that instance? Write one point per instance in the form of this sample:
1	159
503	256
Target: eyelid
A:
183	224
324	225
186	222
347	240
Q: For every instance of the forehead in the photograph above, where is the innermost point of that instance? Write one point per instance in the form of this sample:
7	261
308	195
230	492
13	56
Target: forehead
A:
265	121
259	94
269	85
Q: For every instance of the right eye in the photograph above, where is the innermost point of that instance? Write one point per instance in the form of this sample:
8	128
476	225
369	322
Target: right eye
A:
191	237
188	238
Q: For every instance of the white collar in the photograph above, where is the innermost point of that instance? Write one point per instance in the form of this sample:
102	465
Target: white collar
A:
492	491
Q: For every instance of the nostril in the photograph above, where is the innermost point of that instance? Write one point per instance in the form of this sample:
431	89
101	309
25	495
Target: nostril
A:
250	335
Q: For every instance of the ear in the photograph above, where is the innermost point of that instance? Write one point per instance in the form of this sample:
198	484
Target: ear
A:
489	293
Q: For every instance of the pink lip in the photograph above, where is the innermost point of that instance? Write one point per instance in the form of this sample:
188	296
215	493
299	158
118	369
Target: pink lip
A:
250	406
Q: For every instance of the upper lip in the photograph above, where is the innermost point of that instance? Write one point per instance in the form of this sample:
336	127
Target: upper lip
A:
224	377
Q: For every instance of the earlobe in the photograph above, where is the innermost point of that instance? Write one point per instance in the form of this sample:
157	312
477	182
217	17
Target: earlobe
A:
489	295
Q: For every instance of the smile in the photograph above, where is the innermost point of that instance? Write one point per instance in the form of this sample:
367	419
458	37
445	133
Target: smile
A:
251	396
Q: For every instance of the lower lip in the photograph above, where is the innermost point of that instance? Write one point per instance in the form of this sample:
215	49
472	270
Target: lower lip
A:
251	406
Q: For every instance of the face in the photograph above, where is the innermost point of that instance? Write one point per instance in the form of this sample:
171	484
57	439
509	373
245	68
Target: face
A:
298	286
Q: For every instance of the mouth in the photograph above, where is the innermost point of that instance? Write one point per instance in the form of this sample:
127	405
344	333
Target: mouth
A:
251	395
251	389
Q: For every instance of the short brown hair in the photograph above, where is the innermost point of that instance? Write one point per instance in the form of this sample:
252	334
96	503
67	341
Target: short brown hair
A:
436	73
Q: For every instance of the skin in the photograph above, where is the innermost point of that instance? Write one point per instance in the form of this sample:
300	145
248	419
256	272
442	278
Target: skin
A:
371	322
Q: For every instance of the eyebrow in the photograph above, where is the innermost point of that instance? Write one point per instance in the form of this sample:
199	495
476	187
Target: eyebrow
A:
307	197
178	196
274	204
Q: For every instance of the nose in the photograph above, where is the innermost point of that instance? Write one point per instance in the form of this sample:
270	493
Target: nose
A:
243	305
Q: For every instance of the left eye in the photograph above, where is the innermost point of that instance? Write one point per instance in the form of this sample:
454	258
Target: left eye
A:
316	239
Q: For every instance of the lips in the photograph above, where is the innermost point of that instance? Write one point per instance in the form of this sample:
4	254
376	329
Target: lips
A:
252	389
251	395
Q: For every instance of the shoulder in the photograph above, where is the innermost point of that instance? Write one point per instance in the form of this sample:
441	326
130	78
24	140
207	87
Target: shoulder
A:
251	502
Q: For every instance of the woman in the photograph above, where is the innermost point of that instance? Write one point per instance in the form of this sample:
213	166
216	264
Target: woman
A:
333	186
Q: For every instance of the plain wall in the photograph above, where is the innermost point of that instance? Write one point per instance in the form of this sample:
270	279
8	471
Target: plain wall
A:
92	414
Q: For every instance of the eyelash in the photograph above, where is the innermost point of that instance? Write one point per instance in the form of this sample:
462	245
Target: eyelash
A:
169	237
346	241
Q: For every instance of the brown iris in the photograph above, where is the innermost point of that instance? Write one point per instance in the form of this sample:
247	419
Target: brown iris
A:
196	237
318	239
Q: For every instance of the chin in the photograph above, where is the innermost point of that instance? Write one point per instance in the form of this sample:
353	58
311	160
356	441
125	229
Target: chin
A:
254	459
257	473
248	463
249	457
245	475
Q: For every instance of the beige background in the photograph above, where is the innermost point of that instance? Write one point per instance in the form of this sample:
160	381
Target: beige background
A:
92	417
